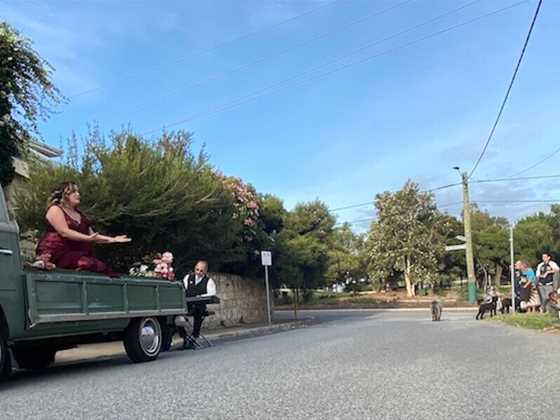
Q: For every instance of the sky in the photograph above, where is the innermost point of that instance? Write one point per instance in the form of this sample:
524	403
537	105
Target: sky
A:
337	99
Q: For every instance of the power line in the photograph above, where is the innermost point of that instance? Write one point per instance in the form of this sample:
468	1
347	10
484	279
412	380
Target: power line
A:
496	202
479	181
372	218
351	206
537	164
352	222
522	178
228	41
370	203
443	187
218	76
515	201
508	90
314	73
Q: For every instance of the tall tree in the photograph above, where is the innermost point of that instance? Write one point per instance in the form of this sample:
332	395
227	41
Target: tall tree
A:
408	236
491	243
555	224
454	262
534	235
346	257
303	246
26	94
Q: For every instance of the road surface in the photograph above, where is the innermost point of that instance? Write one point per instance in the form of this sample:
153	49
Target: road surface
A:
353	365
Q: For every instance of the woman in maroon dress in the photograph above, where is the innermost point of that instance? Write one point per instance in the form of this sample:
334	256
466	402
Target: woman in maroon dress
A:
68	241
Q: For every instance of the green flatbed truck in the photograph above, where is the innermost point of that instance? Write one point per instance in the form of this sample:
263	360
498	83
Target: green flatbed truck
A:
43	312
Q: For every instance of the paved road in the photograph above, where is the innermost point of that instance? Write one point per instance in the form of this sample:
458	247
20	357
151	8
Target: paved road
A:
386	365
328	315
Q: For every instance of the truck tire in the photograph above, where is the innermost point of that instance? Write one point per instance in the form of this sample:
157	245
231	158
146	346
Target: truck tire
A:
34	358
5	359
143	339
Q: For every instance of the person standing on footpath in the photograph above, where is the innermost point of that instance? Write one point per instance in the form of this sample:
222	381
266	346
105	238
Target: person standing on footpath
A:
547	270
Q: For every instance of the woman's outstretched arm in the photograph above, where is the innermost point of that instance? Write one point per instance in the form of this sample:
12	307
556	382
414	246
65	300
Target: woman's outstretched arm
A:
103	239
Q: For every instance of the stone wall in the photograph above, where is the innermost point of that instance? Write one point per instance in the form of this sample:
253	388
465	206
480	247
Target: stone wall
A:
242	300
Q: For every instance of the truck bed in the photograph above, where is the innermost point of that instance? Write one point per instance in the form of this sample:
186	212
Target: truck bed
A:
66	296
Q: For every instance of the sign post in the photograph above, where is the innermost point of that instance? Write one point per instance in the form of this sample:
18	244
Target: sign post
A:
266	260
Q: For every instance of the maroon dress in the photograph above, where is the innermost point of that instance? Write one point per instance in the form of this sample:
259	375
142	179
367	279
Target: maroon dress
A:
70	254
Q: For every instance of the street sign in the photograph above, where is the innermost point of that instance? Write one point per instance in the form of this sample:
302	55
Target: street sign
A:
456	247
266	258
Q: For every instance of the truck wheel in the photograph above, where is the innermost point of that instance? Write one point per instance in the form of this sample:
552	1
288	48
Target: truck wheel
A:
143	339
34	358
5	360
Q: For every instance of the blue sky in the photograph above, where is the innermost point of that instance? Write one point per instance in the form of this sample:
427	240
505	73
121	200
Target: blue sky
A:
314	99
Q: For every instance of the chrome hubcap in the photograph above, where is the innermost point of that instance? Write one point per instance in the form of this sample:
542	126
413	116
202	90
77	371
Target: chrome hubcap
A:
150	336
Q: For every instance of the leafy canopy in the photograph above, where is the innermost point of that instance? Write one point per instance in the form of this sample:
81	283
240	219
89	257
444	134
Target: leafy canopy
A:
26	93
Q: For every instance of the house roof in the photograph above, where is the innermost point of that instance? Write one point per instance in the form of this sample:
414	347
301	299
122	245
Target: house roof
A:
45	150
41	149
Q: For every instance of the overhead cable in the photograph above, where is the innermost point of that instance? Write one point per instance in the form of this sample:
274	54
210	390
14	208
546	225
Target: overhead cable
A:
229	41
512	81
219	76
522	178
551	155
315	72
352	206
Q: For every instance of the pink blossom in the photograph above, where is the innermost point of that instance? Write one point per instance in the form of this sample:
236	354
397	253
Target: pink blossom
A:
249	222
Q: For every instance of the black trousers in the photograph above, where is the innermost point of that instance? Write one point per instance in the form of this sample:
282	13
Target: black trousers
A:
198	312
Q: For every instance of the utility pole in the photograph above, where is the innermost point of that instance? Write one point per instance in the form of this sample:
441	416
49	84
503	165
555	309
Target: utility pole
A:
471	286
512	269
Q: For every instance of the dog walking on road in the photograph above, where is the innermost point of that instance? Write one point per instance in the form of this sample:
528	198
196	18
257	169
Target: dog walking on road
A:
436	310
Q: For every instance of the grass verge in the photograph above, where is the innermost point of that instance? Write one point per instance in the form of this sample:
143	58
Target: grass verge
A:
534	321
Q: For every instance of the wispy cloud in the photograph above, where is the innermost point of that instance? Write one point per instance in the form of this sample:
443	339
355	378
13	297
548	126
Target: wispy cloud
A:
61	45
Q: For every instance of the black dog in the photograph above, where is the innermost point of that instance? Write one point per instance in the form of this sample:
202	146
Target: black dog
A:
487	307
436	310
506	304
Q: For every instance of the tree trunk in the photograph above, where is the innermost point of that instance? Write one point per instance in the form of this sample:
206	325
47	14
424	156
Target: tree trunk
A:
485	278
499	270
407	279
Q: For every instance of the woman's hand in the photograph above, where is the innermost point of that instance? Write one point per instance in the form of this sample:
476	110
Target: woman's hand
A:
94	237
120	239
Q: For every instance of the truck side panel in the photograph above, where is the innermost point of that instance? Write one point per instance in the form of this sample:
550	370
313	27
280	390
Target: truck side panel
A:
76	328
61	303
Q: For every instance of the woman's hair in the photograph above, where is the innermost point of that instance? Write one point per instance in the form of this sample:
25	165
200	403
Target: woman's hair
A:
60	193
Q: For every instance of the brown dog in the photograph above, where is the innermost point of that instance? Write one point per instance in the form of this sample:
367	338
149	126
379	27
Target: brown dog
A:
436	310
